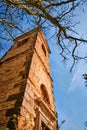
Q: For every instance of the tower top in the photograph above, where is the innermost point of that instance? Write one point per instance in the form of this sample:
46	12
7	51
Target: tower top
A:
29	33
21	40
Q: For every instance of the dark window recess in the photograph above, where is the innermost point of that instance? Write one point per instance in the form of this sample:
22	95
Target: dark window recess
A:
22	42
44	49
44	127
44	93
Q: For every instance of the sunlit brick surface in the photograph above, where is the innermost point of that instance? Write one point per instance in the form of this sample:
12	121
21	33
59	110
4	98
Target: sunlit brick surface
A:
26	90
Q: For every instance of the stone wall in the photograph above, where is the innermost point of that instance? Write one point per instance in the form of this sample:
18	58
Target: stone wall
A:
14	69
27	98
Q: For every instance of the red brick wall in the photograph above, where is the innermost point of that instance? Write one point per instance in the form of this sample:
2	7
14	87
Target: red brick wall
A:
22	71
14	69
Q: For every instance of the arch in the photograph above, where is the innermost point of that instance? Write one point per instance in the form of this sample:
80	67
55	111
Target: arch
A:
44	94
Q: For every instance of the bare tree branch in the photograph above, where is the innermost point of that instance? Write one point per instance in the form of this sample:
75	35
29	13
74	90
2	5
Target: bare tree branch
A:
44	13
60	3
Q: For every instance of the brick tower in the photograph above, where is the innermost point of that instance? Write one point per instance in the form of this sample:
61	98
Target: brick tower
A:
26	90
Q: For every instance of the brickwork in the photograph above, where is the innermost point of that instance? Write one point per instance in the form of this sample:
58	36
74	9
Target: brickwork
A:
26	90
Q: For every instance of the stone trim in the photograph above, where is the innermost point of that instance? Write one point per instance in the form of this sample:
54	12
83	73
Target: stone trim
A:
43	104
40	117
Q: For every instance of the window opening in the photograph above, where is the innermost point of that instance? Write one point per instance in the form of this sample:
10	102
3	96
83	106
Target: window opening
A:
44	126
22	42
44	49
44	93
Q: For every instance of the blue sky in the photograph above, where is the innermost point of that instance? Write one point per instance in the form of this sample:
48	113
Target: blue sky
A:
70	91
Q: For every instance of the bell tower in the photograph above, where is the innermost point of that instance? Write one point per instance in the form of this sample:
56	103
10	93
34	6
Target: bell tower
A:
28	98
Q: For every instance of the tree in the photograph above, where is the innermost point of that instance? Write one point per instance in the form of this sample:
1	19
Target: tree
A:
63	121
57	14
85	78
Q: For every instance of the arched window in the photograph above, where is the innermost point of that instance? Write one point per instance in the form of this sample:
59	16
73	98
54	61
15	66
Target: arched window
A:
43	48
44	94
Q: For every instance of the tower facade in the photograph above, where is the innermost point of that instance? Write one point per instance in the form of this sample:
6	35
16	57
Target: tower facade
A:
27	97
